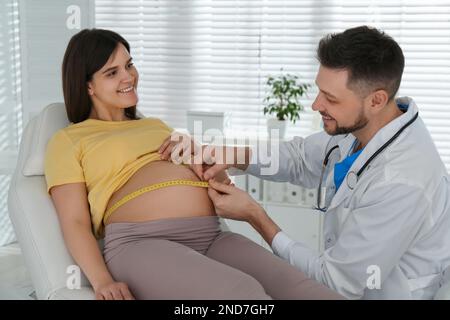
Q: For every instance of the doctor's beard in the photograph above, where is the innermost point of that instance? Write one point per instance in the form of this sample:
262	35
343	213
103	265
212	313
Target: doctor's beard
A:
360	122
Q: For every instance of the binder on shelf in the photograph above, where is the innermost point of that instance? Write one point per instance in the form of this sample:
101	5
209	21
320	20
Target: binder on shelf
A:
276	191
254	187
294	194
310	197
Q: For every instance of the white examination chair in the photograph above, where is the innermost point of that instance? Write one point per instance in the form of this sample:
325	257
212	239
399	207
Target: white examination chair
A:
34	217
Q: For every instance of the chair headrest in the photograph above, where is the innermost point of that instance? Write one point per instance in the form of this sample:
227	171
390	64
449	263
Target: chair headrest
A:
47	122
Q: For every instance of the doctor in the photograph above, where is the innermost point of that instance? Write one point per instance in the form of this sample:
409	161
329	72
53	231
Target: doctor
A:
383	189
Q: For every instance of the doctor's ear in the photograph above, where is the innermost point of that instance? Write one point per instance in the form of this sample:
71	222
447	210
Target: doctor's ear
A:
378	99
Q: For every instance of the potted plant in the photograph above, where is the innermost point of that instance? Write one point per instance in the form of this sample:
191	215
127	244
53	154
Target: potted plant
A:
282	100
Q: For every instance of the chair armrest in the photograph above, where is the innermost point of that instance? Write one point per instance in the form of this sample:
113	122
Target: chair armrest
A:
443	293
84	293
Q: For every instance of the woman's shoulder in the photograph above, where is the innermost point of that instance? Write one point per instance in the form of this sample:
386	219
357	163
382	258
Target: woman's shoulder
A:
60	139
68	135
59	134
80	129
158	122
150	119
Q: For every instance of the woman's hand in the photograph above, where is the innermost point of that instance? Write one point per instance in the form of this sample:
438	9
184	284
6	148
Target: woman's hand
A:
113	291
181	148
206	161
178	147
231	202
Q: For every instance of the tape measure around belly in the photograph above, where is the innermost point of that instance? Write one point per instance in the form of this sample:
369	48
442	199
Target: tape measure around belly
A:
156	186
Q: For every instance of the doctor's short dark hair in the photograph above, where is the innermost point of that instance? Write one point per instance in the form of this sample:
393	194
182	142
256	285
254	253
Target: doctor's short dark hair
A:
87	52
373	59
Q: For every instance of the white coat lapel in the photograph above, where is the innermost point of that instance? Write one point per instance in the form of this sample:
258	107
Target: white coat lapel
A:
343	192
350	182
380	138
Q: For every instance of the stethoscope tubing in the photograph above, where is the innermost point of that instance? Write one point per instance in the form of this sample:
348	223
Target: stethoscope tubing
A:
361	170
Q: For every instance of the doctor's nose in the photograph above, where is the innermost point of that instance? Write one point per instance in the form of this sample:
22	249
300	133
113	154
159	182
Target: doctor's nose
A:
317	104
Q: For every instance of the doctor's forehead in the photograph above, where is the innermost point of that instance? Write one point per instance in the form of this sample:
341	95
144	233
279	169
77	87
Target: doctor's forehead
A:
331	81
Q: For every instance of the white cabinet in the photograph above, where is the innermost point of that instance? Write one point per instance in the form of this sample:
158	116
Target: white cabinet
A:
275	192
300	223
254	187
288	205
295	194
245	229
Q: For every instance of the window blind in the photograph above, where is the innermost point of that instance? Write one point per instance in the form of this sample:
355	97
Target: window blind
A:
217	54
10	108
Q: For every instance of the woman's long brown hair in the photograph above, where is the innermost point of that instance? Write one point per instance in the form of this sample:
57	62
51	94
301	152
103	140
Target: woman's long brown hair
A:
87	52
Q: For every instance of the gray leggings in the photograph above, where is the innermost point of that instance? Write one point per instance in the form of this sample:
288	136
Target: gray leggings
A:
191	258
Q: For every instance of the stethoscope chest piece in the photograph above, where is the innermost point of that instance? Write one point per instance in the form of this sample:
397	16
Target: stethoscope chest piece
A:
352	180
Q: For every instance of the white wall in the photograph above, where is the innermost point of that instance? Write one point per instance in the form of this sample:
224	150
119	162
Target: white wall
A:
46	27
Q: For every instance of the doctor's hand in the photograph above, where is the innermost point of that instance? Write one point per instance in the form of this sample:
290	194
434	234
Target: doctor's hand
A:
219	158
231	202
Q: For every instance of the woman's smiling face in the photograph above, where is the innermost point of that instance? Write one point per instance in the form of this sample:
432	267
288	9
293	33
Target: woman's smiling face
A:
114	85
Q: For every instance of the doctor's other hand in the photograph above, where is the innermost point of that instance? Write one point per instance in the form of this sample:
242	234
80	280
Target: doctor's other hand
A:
113	291
219	158
231	202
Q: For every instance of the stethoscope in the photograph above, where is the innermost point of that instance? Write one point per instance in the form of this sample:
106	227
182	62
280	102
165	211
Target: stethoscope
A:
352	177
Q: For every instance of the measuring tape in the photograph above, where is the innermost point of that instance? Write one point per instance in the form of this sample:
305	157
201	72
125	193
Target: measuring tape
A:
202	184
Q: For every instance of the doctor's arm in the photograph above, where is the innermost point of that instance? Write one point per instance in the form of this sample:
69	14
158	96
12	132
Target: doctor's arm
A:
298	161
183	149
377	233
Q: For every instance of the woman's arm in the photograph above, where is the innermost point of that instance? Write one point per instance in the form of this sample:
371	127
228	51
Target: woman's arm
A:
72	206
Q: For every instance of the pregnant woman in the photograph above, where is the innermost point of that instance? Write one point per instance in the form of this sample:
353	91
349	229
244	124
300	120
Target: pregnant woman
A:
162	238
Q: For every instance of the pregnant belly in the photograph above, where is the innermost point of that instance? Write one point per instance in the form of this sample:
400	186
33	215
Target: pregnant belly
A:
168	202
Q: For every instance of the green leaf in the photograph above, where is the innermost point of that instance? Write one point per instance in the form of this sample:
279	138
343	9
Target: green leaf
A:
283	96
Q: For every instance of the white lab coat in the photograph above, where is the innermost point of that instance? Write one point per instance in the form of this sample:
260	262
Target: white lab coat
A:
397	218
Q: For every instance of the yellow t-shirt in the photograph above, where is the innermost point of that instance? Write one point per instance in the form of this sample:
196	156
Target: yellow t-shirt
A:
104	155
